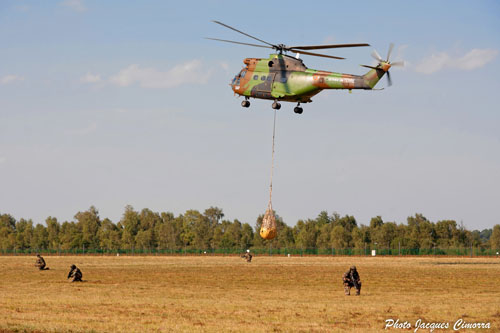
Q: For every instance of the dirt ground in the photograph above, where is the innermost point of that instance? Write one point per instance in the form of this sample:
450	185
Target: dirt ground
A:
227	294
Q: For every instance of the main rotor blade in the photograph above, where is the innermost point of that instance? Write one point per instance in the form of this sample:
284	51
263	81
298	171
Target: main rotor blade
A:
318	47
232	41
314	54
376	56
389	81
398	63
241	32
391	46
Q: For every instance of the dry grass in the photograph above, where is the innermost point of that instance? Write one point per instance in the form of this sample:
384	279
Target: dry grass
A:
214	294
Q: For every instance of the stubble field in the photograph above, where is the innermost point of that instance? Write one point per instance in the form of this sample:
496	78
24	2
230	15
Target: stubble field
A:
220	294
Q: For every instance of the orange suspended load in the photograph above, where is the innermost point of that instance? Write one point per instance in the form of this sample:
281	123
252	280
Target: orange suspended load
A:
268	229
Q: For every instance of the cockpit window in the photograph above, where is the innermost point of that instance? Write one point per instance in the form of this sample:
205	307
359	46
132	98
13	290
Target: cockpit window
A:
242	74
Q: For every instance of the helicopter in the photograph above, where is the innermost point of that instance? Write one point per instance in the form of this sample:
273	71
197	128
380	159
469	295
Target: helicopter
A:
285	78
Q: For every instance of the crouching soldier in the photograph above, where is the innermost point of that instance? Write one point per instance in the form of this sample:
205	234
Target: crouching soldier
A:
247	256
75	274
351	279
40	263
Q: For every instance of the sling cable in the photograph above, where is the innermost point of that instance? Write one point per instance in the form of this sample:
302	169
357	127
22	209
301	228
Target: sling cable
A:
268	229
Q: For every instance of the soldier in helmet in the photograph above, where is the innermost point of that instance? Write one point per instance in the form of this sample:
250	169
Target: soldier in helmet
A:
40	263
75	274
351	279
248	256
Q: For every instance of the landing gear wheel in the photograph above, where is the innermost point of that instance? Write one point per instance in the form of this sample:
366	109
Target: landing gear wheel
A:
276	106
245	103
298	110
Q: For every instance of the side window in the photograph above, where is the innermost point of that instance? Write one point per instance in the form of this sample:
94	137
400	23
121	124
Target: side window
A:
238	82
283	79
269	78
263	78
243	73
255	77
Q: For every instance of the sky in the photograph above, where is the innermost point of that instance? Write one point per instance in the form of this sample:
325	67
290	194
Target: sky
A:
113	103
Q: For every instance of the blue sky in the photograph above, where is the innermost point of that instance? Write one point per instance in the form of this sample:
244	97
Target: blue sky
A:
109	103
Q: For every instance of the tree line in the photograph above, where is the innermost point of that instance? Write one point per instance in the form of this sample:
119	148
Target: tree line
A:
146	229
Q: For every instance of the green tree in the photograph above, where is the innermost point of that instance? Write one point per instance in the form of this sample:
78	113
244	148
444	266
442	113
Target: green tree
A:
146	237
7	232
340	237
109	235
130	222
214	215
323	240
24	234
40	239
361	237
89	223
247	236
234	233
197	227
376	222
495	238
169	231
53	228
445	231
70	236
307	233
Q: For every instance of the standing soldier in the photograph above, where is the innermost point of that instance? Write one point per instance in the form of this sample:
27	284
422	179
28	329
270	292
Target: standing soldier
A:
248	256
40	263
75	274
351	279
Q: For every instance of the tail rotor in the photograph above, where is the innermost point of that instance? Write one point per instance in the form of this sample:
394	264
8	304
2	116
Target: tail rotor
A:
385	65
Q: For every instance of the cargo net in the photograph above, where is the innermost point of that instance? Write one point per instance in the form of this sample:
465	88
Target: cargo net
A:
268	229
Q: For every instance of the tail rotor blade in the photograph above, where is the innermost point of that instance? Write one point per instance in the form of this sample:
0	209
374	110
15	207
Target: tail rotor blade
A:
376	56
398	63
389	81
391	46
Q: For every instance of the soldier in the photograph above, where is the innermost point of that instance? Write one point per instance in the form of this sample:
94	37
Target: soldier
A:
248	256
40	263
351	279
75	274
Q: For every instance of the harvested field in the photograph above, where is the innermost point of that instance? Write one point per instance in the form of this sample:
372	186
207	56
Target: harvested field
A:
217	294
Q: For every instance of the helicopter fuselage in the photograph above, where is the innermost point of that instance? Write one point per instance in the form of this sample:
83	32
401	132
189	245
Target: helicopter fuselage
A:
284	78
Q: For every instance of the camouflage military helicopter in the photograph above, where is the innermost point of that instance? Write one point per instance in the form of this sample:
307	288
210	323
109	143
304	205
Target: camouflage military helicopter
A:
284	78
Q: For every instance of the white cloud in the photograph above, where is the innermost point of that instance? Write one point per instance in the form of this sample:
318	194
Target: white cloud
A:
76	5
10	78
189	72
90	78
476	58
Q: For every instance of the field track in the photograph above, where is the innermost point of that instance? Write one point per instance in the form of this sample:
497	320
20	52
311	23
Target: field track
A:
220	294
